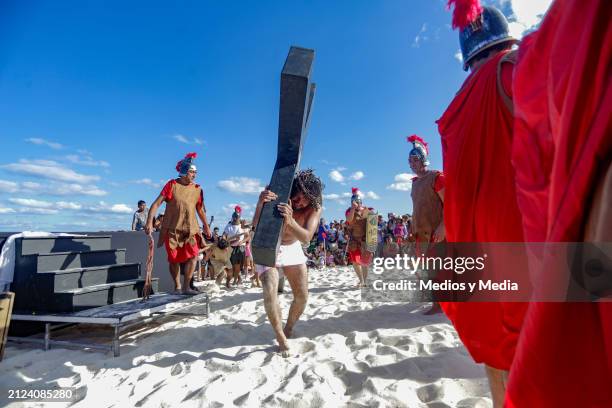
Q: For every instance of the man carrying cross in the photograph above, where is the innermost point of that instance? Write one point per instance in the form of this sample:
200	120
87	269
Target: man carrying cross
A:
301	219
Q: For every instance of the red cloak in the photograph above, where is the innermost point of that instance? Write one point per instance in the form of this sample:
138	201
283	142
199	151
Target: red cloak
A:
562	152
480	204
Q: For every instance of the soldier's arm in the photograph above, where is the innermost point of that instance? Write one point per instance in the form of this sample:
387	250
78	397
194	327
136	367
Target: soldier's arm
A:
152	211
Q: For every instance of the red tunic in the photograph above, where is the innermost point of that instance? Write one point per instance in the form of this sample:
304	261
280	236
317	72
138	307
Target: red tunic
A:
562	141
480	204
187	251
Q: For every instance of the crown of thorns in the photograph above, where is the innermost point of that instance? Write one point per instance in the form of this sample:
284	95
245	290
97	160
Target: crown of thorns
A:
311	186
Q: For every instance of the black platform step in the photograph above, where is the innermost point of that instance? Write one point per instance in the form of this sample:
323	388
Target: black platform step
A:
100	295
61	280
33	246
81	259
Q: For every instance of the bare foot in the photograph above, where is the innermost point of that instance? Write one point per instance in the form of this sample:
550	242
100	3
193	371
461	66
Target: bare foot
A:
190	291
283	348
288	331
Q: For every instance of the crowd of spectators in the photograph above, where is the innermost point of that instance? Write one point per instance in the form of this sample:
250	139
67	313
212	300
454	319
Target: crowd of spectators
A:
328	246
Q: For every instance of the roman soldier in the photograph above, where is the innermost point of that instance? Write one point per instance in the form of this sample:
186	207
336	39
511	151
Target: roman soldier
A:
356	219
180	231
427	197
427	202
480	196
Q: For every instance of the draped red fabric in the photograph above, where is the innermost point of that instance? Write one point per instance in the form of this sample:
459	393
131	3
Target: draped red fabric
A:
480	204
562	145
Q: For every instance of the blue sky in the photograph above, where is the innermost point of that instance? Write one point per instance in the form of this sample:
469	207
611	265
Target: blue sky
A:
100	99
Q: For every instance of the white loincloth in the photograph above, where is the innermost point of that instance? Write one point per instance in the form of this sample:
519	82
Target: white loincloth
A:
288	255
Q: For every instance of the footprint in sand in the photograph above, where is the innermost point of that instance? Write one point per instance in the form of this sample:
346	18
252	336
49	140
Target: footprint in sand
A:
437	337
438	404
474	403
336	367
142	376
430	392
176	369
306	347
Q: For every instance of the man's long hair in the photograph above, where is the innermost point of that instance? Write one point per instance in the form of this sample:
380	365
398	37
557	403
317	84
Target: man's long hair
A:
309	184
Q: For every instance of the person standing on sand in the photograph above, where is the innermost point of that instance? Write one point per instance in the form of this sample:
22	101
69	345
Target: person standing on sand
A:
180	231
356	218
301	219
235	236
480	203
427	194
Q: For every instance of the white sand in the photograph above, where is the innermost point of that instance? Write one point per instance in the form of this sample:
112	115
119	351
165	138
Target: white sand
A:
350	353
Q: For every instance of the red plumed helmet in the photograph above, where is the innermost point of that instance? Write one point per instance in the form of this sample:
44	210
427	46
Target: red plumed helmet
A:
355	190
191	155
238	209
414	139
465	12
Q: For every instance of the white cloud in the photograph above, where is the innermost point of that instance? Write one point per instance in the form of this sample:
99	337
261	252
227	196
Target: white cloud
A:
181	138
338	198
30	185
8	186
526	15
420	37
336	176
459	56
49	170
5	210
332	196
41	211
241	185
86	161
43	142
53	188
358	175
372	195
29	202
403	182
105	208
121	209
148	182
184	139
74	189
64	205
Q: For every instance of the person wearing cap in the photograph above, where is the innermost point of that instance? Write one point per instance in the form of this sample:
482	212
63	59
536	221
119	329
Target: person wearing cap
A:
180	230
480	202
357	218
236	236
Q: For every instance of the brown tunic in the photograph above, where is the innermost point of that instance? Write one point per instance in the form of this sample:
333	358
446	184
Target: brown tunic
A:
357	230
426	206
180	224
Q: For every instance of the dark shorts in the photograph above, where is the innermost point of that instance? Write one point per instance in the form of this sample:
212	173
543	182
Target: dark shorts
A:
237	257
